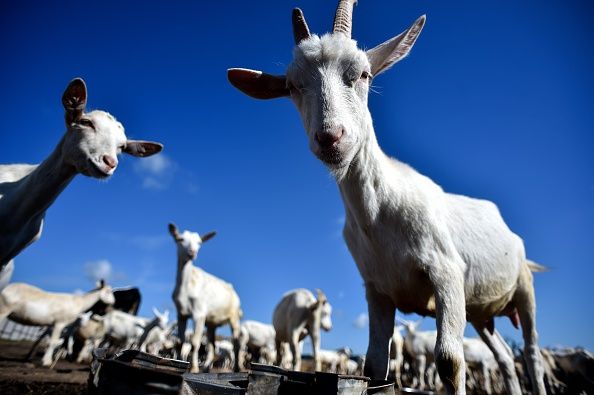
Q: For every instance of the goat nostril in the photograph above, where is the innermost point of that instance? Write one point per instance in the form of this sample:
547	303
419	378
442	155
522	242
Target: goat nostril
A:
328	139
110	161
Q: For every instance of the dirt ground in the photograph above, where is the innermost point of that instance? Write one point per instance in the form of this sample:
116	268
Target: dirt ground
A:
21	377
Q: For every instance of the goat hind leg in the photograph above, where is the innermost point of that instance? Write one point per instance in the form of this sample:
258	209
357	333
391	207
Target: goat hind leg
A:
526	305
503	357
296	350
210	347
48	356
279	352
235	333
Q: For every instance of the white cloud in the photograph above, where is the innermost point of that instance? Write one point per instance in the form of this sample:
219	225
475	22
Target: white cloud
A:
156	171
99	270
361	321
155	165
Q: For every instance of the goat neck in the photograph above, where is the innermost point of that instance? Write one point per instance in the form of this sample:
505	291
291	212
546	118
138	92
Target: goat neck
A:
363	188
86	301
40	188
24	207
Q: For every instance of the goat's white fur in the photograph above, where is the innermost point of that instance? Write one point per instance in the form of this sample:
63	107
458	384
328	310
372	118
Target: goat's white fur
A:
29	305
420	345
396	351
209	301
6	274
480	358
90	146
126	330
257	338
299	314
418	248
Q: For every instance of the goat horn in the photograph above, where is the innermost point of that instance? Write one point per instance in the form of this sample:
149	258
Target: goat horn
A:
300	29
343	19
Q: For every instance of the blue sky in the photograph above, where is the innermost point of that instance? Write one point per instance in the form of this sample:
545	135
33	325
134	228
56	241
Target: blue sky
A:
495	101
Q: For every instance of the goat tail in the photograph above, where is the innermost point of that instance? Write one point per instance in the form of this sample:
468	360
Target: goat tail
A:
535	267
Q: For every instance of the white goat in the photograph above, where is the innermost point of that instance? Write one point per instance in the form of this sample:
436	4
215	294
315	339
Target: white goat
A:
154	332
297	315
420	345
90	146
6	273
125	330
396	354
225	354
353	368
88	335
418	248
257	339
157	338
480	358
29	305
334	361
206	299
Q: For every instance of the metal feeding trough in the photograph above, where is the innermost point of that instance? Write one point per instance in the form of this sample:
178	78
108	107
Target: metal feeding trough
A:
132	372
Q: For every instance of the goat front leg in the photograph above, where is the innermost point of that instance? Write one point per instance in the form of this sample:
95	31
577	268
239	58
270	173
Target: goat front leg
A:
397	370
196	340
421	368
315	343
182	323
54	341
381	328
448	284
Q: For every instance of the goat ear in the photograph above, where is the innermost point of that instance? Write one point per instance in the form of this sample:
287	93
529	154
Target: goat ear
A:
100	284
395	49
142	148
321	296
257	84
173	230
156	312
208	236
74	100
314	305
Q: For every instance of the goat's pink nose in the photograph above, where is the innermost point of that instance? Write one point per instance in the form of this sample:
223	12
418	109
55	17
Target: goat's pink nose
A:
110	161
327	138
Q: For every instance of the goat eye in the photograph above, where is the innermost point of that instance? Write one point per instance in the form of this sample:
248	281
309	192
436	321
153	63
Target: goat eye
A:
86	122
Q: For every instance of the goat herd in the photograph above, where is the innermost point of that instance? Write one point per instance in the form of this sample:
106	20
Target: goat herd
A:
418	248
